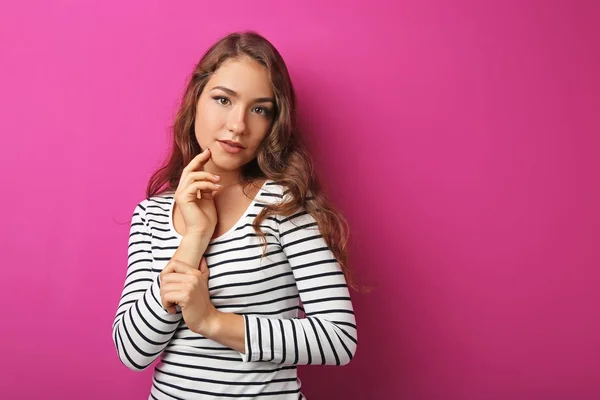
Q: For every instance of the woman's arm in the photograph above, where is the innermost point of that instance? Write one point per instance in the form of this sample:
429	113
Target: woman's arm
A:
327	335
142	327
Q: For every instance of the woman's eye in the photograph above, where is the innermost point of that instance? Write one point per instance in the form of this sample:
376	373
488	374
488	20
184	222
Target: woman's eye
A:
261	111
222	100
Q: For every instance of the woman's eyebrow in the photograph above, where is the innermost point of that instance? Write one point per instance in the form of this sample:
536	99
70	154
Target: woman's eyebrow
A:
234	94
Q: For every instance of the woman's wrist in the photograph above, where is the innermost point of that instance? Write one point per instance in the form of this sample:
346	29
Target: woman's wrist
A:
197	237
225	328
192	248
210	323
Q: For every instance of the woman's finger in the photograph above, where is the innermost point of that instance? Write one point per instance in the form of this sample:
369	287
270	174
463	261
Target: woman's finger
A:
206	195
176	277
171	308
204	271
202	190
167	305
201	176
178	266
177	297
197	163
203	186
176	287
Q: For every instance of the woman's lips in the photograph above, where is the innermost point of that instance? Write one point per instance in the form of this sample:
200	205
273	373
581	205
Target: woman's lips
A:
230	147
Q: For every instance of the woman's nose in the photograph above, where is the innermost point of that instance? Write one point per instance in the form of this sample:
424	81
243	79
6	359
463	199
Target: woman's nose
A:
237	122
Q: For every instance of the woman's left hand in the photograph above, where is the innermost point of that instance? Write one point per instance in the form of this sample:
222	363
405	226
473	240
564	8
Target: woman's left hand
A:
187	287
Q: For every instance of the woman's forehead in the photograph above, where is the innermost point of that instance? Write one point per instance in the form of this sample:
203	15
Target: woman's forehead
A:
245	77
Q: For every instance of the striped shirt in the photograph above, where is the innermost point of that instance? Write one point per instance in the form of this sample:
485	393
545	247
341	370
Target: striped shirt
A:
298	273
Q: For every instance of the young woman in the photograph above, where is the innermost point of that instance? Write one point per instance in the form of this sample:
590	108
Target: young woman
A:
232	241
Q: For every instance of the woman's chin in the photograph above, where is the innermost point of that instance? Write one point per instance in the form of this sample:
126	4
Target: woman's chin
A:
223	165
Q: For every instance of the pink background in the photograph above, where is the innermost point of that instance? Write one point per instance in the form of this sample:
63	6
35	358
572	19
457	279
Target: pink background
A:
461	139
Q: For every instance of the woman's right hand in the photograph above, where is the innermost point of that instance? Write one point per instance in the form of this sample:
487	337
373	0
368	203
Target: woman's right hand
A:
194	197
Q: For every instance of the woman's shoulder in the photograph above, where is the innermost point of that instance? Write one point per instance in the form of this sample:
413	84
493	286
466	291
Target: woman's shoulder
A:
271	192
160	200
161	197
279	191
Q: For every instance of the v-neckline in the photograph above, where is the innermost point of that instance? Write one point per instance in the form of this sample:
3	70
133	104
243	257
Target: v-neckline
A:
230	230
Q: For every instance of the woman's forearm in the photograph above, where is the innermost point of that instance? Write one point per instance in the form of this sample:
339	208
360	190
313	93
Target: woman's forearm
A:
224	328
227	329
191	249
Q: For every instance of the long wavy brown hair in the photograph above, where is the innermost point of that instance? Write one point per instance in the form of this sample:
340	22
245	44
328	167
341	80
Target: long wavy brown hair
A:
282	157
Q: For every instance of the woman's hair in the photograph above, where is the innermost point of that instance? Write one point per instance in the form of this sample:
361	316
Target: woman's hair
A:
282	156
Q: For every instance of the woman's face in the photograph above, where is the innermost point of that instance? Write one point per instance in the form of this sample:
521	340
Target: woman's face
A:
234	113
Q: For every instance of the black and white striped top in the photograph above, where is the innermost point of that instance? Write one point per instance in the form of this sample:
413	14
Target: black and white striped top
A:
298	273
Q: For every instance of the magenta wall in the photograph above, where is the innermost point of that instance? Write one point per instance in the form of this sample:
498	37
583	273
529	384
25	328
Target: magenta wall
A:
461	138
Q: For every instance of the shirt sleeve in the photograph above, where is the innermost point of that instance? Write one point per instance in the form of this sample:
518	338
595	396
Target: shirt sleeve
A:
142	327
327	335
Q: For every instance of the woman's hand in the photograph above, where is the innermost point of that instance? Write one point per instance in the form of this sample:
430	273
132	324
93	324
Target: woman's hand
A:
186	286
194	197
